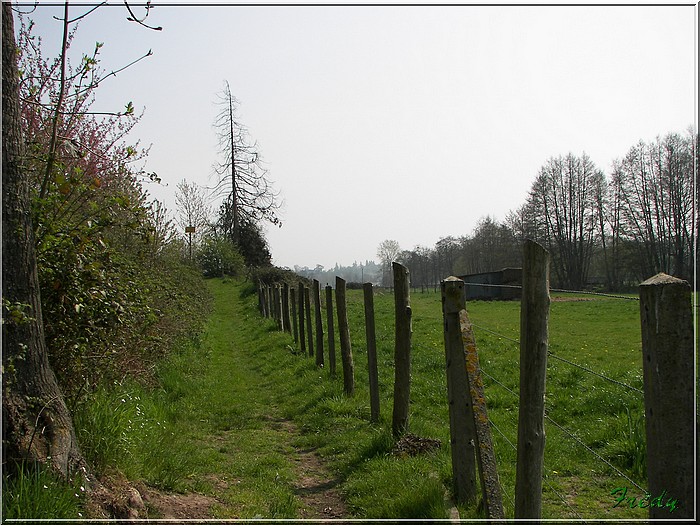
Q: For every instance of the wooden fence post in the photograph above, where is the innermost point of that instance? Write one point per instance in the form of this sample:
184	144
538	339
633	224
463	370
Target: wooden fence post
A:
309	330
462	432
285	308
485	455
344	330
371	352
268	301
402	349
302	333
293	301
534	338
668	357
319	323
276	293
331	331
261	304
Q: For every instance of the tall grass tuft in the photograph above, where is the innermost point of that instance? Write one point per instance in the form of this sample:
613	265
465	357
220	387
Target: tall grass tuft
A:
36	493
629	448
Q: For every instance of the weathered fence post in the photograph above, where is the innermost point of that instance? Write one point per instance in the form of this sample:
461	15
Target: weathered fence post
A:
309	330
371	352
402	349
485	455
293	301
302	333
331	331
668	357
462	432
261	302
319	323
276	293
534	339
285	308
268	300
344	330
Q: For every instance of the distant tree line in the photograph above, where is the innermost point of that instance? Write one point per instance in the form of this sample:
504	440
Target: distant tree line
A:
367	272
604	232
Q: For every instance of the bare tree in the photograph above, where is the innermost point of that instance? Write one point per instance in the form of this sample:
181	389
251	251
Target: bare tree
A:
192	211
242	180
387	252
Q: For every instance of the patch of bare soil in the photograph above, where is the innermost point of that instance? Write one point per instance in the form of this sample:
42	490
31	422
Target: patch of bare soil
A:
315	484
183	506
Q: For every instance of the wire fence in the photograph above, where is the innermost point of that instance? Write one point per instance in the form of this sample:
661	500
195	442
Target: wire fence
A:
569	434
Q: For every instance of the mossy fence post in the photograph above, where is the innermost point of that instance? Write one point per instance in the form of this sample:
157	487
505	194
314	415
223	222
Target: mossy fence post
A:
485	454
402	349
668	357
462	433
344	331
309	330
319	323
371	352
331	331
302	333
293	301
534	340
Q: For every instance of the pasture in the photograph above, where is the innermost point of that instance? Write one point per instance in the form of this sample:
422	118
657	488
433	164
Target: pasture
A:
594	407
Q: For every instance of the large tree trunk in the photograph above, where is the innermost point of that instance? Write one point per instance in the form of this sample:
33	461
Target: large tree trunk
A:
37	426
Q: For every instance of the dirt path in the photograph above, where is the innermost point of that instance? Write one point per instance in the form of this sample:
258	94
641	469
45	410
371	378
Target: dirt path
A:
315	486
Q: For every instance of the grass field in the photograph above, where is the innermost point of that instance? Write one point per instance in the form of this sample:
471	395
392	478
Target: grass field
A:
217	423
589	414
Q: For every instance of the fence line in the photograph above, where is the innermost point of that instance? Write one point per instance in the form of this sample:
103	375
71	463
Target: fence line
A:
269	304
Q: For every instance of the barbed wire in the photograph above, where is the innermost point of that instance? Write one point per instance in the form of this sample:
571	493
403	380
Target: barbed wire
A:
563	500
570	434
553	355
601	458
557	290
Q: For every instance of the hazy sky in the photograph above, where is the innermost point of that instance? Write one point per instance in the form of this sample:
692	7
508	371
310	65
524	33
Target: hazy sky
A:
401	122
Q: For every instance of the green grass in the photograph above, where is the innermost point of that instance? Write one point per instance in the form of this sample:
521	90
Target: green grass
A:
219	421
34	492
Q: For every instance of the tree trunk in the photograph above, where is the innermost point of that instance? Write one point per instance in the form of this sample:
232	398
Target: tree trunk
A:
37	425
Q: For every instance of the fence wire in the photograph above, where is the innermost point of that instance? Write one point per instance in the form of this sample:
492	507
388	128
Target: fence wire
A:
557	290
563	500
570	434
553	355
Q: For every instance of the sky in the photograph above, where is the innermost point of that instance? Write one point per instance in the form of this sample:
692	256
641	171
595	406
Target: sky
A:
406	122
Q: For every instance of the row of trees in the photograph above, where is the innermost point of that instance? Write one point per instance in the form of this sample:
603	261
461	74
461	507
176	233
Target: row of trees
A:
604	232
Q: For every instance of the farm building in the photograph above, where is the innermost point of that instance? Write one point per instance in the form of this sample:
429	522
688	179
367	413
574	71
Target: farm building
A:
476	291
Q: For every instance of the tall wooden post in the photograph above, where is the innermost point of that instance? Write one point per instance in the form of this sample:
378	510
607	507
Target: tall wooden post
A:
331	331
462	433
277	295
309	330
319	323
344	330
293	301
285	308
534	340
302	333
371	352
402	349
668	356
